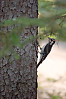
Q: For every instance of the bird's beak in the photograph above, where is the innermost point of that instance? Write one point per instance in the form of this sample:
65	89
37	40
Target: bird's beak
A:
49	38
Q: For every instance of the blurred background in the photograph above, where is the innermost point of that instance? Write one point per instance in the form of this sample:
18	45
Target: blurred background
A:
52	72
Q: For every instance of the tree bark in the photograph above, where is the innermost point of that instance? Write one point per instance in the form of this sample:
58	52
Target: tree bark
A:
18	78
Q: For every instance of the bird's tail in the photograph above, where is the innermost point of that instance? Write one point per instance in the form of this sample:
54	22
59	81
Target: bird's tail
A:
41	60
39	63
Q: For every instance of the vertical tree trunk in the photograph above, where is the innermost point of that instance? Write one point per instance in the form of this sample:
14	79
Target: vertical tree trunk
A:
18	78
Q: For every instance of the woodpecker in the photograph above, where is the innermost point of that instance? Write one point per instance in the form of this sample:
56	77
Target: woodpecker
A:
45	50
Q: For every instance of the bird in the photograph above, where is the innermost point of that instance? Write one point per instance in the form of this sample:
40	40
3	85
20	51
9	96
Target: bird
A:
45	50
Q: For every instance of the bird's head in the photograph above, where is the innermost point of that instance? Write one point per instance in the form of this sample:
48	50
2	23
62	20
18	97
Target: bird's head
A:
51	41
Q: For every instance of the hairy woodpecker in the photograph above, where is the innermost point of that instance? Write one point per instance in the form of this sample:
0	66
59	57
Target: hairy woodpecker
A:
45	50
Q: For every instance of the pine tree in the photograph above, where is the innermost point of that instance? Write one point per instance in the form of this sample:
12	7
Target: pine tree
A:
18	78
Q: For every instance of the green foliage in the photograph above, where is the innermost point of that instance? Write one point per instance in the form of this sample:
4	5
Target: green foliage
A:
55	13
51	22
55	97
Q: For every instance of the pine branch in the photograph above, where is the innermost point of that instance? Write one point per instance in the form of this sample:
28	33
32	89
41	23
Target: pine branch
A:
60	17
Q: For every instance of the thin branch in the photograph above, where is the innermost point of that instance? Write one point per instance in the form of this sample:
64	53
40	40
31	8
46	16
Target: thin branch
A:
59	17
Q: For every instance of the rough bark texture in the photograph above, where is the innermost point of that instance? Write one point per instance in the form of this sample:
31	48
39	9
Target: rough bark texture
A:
18	78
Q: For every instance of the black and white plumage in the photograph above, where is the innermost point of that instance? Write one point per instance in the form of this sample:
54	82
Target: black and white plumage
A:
45	50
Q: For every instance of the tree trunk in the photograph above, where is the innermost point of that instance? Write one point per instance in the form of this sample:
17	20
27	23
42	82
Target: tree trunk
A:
18	78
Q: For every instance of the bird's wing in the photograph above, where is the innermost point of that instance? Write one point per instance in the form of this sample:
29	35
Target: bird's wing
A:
42	53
